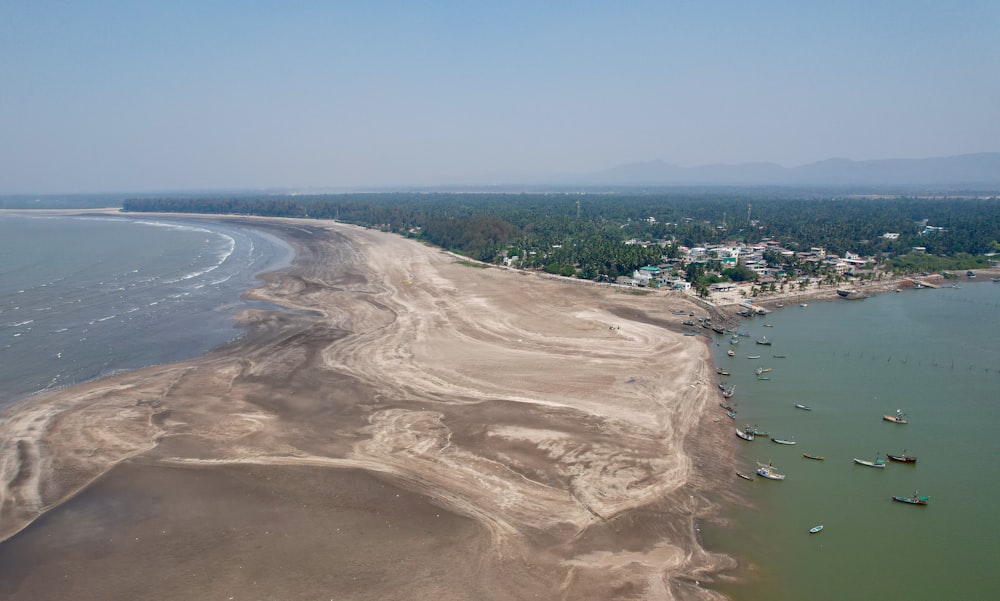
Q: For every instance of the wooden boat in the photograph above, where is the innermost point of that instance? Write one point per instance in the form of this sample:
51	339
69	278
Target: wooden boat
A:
744	476
719	329
816	457
803	407
782	441
902	457
687	322
778	356
899	418
914	500
745	433
758	432
879	462
815	529
761	370
721	371
767	471
727	407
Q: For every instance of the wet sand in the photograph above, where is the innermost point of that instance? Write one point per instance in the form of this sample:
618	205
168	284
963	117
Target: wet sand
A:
415	429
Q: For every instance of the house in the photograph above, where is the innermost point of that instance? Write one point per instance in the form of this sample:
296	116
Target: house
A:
641	278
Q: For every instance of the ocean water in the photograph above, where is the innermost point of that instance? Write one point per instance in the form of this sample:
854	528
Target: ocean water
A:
934	354
85	297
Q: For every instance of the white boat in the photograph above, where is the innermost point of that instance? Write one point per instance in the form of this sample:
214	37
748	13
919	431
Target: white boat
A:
767	471
815	529
879	462
782	440
745	433
801	406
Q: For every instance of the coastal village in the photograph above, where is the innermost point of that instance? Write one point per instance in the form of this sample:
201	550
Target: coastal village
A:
819	274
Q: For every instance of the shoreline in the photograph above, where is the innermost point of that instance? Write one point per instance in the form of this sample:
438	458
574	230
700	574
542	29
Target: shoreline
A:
560	438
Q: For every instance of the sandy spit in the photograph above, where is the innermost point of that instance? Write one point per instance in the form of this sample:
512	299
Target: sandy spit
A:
415	429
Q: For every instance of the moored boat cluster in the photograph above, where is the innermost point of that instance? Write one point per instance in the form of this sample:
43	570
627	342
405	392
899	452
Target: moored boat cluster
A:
769	471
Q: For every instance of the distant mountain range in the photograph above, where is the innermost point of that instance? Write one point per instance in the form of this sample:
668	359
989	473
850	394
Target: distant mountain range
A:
981	170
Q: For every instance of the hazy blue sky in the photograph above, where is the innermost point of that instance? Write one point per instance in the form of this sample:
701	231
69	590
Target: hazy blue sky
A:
134	96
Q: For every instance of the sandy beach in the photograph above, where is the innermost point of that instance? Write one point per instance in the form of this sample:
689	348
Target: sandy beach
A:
410	428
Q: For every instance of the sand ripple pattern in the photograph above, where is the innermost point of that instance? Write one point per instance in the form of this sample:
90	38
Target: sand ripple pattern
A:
559	418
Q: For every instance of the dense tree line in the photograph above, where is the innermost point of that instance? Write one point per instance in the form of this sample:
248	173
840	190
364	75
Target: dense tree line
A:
606	235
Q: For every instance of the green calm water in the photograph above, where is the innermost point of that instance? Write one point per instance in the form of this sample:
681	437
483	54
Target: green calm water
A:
935	354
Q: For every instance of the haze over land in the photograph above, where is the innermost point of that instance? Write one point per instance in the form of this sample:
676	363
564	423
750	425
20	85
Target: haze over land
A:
127	97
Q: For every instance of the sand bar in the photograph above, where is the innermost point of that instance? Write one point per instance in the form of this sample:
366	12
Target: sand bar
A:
414	428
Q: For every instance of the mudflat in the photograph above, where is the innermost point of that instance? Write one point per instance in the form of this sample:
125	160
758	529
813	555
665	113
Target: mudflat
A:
408	427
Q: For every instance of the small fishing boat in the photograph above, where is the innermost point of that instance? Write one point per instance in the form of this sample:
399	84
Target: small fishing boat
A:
767	471
687	322
731	353
782	441
758	432
767	325
729	392
721	371
761	370
764	341
878	462
727	407
731	414
803	304
816	457
902	457
778	356
914	500
763	378
744	476
744	433
815	529
803	407
753	356
899	418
